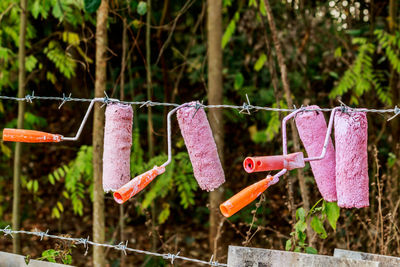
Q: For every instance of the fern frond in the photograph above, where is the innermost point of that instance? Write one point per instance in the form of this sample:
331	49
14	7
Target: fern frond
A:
62	60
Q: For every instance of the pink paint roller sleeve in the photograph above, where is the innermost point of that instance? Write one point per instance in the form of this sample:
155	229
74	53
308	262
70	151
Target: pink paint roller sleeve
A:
196	132
312	130
351	159
117	146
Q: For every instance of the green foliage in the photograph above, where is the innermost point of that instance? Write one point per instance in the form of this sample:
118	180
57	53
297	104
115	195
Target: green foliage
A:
260	62
318	227
363	74
332	211
391	161
185	180
239	80
78	179
391	45
92	5
53	255
142	8
329	211
178	175
273	128
230	30
78	176
62	60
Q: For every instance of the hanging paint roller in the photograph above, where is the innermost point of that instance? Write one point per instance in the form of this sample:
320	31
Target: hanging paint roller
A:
117	146
138	183
351	136
267	163
31	136
196	132
312	128
199	140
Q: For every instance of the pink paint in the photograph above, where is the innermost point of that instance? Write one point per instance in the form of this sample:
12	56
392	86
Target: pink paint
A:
312	130
196	132
117	146
352	183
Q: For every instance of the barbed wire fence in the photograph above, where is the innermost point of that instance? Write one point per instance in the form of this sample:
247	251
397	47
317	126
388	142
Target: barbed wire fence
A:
246	108
121	246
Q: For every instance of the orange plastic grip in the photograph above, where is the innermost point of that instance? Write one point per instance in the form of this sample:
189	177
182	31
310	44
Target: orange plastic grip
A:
30	136
136	185
270	163
244	197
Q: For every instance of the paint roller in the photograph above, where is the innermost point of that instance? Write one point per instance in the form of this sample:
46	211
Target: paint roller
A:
351	134
268	163
32	136
312	127
197	134
117	146
199	141
117	141
137	184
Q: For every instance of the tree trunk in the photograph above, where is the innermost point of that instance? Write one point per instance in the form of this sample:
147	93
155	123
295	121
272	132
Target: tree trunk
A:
98	134
215	90
20	124
149	82
122	97
288	96
394	76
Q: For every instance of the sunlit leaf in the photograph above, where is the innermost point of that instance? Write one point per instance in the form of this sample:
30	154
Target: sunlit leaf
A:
332	212
311	250
260	62
288	245
318	227
142	8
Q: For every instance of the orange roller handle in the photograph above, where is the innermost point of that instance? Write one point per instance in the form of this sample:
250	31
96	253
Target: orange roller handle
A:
30	136
137	184
244	197
270	163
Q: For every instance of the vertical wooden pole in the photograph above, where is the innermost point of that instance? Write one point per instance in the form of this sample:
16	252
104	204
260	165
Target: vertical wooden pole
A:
20	124
98	134
215	91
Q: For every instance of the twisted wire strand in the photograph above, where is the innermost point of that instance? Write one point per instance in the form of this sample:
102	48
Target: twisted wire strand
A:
121	246
246	107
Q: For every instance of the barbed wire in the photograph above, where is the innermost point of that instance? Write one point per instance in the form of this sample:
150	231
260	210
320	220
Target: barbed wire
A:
121	246
246	107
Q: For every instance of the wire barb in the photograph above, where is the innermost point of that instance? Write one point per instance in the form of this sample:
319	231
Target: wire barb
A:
197	107
343	107
43	234
396	113
29	98
121	246
7	231
246	106
171	257
147	103
65	99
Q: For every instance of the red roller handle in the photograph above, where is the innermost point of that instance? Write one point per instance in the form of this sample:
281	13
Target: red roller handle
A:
30	136
270	163
244	197
137	184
